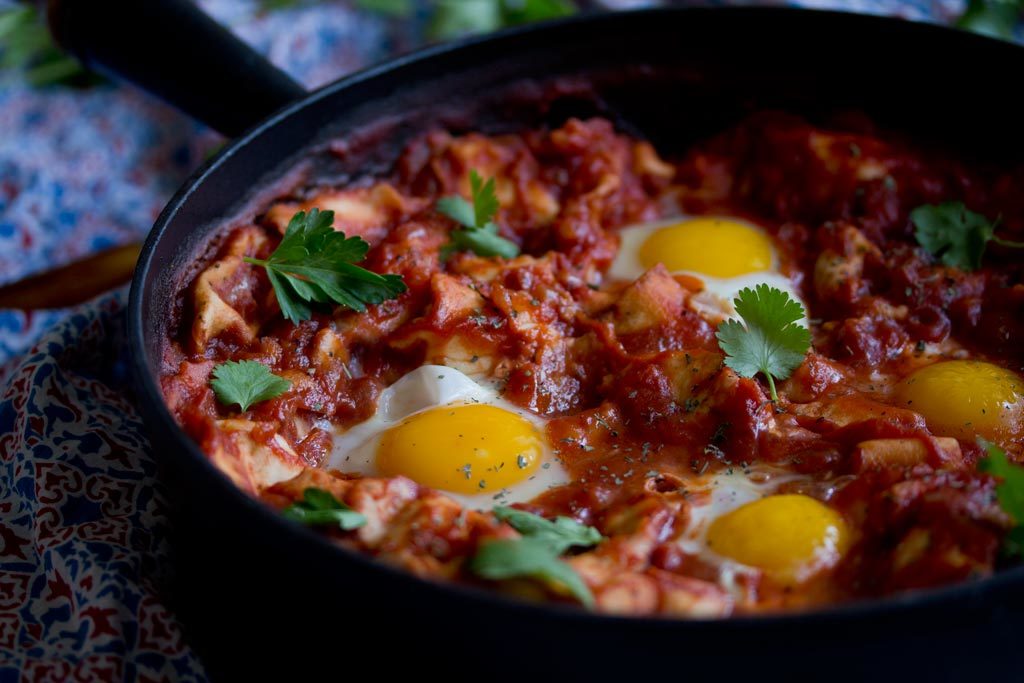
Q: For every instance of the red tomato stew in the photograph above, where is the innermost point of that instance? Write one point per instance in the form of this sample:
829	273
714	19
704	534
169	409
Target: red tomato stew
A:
777	373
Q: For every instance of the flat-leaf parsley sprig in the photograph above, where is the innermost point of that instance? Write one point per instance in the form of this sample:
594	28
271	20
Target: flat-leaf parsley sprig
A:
320	508
562	533
314	263
773	342
477	232
246	382
954	235
1009	491
535	555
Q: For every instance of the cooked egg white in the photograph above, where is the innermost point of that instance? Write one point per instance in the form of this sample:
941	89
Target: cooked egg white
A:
725	254
443	430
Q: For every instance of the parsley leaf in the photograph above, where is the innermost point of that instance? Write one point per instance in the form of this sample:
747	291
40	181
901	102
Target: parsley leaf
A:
956	236
246	382
321	508
772	343
478	233
314	263
561	534
531	558
482	242
535	555
1010	491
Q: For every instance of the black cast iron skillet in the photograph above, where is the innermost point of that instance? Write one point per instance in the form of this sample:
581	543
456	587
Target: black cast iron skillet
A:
262	597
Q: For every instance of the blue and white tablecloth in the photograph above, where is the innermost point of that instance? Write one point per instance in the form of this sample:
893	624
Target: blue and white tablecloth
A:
82	523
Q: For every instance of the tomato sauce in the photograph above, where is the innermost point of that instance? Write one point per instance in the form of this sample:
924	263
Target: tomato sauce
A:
637	412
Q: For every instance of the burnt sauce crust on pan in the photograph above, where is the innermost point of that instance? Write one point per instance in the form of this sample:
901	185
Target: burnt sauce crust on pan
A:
661	443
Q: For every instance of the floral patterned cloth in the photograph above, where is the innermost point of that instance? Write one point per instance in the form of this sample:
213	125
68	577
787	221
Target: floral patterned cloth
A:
82	523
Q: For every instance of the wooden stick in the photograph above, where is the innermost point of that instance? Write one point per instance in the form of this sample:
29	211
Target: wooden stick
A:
74	283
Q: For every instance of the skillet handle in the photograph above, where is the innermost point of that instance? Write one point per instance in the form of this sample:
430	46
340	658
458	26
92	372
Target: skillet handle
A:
176	51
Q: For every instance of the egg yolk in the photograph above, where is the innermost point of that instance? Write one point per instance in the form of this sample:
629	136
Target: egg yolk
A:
467	449
789	536
713	246
966	398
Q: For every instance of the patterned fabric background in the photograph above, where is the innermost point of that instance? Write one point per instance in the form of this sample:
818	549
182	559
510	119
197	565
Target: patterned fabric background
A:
82	524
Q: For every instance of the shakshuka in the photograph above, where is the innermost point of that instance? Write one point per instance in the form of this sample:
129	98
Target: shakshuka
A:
780	372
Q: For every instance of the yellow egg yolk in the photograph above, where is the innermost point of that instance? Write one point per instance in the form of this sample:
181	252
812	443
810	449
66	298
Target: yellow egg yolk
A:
466	449
717	247
790	537
965	399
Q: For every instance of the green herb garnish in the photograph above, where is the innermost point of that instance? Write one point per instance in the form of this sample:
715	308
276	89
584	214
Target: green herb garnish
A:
995	18
530	558
321	508
1009	490
536	554
453	18
26	45
390	8
246	382
562	533
25	42
478	233
954	235
773	342
276	5
314	263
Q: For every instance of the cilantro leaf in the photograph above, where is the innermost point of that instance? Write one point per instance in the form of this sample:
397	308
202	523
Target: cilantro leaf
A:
772	343
314	264
478	233
529	558
1010	491
561	534
954	235
246	382
321	508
